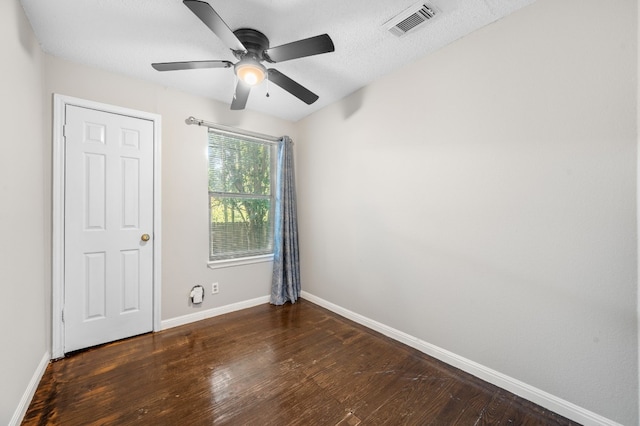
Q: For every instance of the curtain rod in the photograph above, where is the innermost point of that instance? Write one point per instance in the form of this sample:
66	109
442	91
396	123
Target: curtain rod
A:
231	130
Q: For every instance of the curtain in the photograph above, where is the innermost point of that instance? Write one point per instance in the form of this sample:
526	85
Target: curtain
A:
285	283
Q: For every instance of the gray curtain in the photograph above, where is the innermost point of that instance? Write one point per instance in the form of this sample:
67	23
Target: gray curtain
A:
285	283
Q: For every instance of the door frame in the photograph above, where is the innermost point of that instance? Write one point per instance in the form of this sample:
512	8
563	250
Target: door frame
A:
58	196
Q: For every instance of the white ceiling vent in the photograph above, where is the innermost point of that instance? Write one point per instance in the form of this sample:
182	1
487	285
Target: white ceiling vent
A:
411	19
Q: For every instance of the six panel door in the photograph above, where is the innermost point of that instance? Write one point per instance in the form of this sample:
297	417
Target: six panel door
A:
108	291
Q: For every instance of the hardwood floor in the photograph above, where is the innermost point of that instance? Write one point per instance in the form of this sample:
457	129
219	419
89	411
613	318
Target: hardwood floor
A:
290	365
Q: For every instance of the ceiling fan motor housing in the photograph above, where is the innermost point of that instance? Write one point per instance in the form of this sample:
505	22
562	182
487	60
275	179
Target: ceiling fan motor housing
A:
254	41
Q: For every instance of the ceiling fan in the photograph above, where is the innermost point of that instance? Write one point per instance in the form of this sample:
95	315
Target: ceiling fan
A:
251	48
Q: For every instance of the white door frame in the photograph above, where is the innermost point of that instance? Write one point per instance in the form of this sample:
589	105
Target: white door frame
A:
57	279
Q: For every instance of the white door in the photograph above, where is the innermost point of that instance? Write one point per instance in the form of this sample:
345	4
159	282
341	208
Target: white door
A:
108	240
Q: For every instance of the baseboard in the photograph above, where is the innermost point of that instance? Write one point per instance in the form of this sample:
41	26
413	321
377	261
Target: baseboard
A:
22	408
214	312
535	395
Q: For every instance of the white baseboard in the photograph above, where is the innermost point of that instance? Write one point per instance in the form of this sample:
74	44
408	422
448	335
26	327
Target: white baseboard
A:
210	313
535	395
22	408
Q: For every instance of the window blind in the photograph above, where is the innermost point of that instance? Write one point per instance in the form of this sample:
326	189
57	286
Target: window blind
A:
241	179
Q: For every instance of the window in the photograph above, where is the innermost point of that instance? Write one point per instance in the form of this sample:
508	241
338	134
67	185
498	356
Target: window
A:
241	196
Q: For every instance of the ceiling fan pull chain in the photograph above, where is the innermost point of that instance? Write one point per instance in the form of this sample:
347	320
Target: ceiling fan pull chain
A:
267	85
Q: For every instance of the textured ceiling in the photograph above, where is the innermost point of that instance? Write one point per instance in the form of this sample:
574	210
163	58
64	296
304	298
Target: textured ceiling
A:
126	36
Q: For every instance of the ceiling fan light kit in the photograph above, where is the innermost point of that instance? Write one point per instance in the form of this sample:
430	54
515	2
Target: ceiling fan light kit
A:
251	48
250	71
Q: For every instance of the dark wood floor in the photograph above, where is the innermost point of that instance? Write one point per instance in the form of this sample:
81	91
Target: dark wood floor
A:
296	364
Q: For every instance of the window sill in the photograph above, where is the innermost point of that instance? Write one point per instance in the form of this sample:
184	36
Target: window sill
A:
228	263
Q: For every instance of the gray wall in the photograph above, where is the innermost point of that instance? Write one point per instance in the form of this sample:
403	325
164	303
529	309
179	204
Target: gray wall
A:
483	200
22	209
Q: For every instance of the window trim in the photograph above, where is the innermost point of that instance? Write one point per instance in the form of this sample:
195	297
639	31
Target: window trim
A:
239	261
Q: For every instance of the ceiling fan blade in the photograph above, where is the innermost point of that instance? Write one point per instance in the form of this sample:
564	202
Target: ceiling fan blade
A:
241	96
211	19
301	48
190	65
300	92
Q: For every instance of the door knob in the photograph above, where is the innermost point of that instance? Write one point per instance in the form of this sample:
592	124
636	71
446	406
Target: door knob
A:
145	237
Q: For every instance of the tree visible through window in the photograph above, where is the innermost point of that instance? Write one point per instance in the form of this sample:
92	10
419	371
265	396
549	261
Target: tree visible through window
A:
241	174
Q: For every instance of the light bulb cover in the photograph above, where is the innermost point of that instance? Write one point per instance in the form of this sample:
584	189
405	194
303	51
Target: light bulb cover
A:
250	71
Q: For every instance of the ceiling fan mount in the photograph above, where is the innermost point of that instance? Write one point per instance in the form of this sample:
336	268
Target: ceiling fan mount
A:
251	48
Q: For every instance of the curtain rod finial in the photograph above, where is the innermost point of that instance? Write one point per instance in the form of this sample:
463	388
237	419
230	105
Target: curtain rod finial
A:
193	120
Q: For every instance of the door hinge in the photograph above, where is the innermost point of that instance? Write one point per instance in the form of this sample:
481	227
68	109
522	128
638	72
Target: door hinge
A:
63	315
64	130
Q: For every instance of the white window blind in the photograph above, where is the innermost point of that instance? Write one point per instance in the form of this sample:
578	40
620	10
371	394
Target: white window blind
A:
241	196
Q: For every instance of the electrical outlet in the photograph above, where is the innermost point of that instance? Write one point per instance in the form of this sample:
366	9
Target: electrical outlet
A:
214	288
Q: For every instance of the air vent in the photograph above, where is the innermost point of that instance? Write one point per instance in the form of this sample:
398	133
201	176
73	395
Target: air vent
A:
411	19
